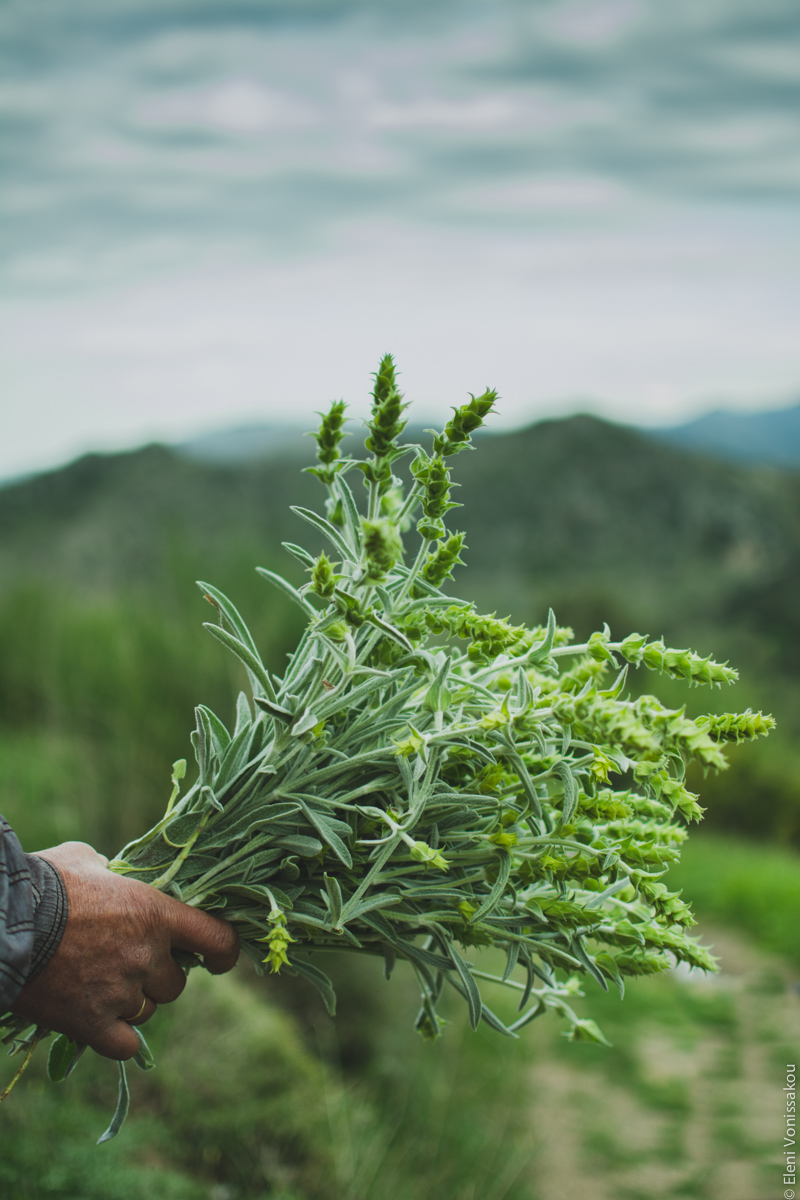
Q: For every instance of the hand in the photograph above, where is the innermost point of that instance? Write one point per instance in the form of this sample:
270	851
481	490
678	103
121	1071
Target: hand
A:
115	954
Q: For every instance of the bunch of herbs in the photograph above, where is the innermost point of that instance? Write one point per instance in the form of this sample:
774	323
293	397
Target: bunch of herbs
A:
427	782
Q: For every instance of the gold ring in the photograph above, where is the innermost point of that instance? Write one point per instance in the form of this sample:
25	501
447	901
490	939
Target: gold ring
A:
138	1014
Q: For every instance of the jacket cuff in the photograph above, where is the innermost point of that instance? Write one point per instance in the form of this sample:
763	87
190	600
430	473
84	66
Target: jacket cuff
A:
50	912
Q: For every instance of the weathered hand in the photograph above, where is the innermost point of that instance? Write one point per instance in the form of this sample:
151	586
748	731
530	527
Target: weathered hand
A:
116	954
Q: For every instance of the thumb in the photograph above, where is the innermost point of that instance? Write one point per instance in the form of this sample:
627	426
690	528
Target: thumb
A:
215	940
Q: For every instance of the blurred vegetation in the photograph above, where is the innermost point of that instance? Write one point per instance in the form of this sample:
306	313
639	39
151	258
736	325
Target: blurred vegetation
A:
257	1092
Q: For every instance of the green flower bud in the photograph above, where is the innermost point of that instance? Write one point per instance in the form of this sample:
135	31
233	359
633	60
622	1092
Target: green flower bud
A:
504	839
328	437
382	547
422	852
278	940
434	477
598	646
736	727
323	577
440	563
385	425
430	529
680	664
456	434
631	649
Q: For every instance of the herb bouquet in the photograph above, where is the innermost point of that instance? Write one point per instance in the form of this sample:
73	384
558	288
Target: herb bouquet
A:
426	782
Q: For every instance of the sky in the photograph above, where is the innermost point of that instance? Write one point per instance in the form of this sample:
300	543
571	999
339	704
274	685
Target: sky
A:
218	212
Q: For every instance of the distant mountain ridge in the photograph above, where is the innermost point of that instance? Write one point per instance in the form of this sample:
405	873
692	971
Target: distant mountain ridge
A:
268	439
771	437
750	437
566	508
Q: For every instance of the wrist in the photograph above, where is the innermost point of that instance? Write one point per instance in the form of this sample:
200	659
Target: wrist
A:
50	912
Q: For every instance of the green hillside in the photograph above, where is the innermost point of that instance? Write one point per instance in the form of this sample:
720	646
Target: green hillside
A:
98	562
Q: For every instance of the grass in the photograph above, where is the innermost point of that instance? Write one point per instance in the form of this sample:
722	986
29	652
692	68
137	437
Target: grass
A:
753	886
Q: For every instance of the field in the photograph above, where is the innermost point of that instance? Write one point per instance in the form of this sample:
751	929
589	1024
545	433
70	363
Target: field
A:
258	1093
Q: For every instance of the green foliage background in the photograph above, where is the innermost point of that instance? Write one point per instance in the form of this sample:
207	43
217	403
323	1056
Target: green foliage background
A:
102	659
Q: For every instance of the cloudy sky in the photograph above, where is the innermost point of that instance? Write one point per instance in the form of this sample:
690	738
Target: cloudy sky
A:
222	212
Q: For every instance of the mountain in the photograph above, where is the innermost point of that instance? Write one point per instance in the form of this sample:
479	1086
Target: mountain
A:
267	440
754	437
601	522
766	438
245	443
567	508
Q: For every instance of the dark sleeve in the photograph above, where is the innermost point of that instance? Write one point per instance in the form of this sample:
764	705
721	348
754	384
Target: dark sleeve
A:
16	916
33	915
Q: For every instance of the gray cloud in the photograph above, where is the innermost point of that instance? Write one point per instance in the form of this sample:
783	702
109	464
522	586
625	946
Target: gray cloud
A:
201	120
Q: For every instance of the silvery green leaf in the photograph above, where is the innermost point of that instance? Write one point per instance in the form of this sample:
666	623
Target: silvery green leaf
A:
221	739
376	902
533	1012
306	847
209	795
512	955
374	920
268	815
307	721
494	1022
284	586
288	868
245	655
330	531
542	650
327	832
202	745
521	770
437	698
249	891
181	828
274	709
609	967
390	631
523	697
349	699
473	994
579	950
320	981
351	514
299	553
235	757
282	898
231	615
333	824
308	674
530	979
334	896
243	714
570	792
144	1055
123	1102
62	1054
617	687
498	888
596	900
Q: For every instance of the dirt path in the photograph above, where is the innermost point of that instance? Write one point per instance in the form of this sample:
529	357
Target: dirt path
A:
690	1102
